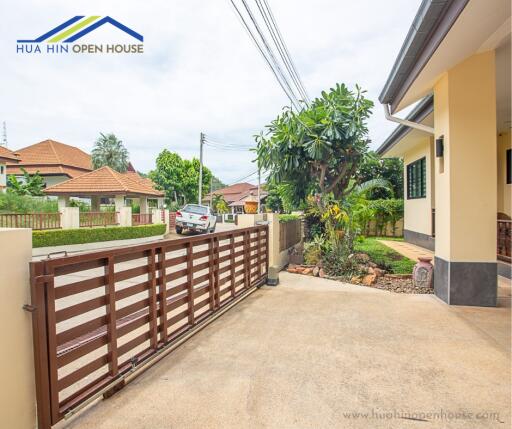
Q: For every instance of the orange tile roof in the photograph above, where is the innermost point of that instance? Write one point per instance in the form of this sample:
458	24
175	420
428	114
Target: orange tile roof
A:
105	181
234	192
7	156
55	157
45	170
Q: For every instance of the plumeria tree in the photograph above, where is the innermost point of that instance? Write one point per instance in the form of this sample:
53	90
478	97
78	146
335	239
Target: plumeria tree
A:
318	149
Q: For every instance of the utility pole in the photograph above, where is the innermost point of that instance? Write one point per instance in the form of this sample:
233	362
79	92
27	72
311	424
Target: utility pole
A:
211	191
201	144
259	192
4	135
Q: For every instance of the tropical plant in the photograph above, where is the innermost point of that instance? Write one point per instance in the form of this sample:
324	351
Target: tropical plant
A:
338	261
109	150
319	148
219	204
389	169
32	184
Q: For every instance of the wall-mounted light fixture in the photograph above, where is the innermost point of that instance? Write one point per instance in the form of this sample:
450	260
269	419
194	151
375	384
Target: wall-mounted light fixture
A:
440	147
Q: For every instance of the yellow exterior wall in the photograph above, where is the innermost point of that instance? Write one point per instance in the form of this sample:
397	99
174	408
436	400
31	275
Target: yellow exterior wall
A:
418	212
17	392
466	197
504	190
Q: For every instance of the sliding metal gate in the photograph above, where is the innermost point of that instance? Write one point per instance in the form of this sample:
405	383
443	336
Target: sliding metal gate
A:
97	316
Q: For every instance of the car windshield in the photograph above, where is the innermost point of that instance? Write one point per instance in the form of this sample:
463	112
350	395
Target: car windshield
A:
195	209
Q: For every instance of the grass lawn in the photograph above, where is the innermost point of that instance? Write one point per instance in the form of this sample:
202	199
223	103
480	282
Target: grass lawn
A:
384	257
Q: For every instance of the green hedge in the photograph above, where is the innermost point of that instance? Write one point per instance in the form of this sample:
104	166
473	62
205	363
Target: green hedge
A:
288	218
60	237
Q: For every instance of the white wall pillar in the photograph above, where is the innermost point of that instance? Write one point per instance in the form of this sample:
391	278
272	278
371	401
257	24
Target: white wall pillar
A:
62	202
119	202
125	216
143	205
17	394
70	218
167	221
156	215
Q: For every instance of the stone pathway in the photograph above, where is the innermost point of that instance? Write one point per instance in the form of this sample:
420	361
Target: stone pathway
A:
409	250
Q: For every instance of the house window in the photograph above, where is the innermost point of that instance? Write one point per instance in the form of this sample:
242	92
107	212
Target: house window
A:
509	166
417	179
1	169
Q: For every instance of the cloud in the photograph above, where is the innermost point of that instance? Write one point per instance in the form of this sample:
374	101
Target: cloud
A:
199	72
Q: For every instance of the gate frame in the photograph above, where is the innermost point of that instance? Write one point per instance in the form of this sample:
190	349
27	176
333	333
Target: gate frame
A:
44	320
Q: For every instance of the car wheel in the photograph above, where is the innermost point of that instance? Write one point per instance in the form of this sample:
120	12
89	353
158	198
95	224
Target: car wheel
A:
212	229
179	230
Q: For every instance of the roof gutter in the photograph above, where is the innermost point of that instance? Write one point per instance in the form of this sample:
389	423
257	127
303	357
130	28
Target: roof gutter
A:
432	23
405	122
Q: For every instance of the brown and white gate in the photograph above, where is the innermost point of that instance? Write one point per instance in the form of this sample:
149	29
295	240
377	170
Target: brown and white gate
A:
99	316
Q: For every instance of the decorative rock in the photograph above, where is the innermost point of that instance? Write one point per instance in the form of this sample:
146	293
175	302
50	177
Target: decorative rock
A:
321	273
369	279
308	271
316	271
378	272
372	264
370	270
292	270
362	257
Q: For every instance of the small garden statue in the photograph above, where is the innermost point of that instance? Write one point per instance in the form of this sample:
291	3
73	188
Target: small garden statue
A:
422	273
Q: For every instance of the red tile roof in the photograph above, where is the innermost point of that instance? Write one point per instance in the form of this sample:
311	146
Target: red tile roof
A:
105	181
234	192
7	156
55	157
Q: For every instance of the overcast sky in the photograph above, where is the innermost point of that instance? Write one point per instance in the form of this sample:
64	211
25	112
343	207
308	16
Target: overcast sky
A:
199	72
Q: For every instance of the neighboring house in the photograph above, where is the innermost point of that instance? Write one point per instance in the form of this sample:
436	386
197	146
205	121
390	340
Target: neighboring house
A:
236	194
105	183
6	156
457	146
56	162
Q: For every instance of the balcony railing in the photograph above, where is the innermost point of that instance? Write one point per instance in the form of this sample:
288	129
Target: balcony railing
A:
91	219
142	219
30	220
504	238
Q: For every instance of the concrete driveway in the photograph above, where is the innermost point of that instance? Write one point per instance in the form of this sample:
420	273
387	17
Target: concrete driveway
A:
313	353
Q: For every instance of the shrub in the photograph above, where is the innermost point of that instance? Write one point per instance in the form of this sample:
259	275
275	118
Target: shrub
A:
288	218
12	203
336	261
59	237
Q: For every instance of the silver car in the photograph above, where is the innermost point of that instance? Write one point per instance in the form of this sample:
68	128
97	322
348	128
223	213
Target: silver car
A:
195	217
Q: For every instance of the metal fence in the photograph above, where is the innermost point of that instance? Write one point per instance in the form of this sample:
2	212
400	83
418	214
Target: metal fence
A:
97	316
290	234
142	219
90	219
30	220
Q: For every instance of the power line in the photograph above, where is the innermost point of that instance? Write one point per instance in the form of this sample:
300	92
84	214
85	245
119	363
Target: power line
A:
278	42
286	52
267	56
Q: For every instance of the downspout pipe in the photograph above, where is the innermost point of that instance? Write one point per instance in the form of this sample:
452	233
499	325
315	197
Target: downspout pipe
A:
405	122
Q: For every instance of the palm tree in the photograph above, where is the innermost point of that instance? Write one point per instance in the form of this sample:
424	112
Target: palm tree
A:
109	150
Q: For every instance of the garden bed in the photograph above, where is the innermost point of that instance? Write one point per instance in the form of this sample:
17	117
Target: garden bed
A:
377	266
